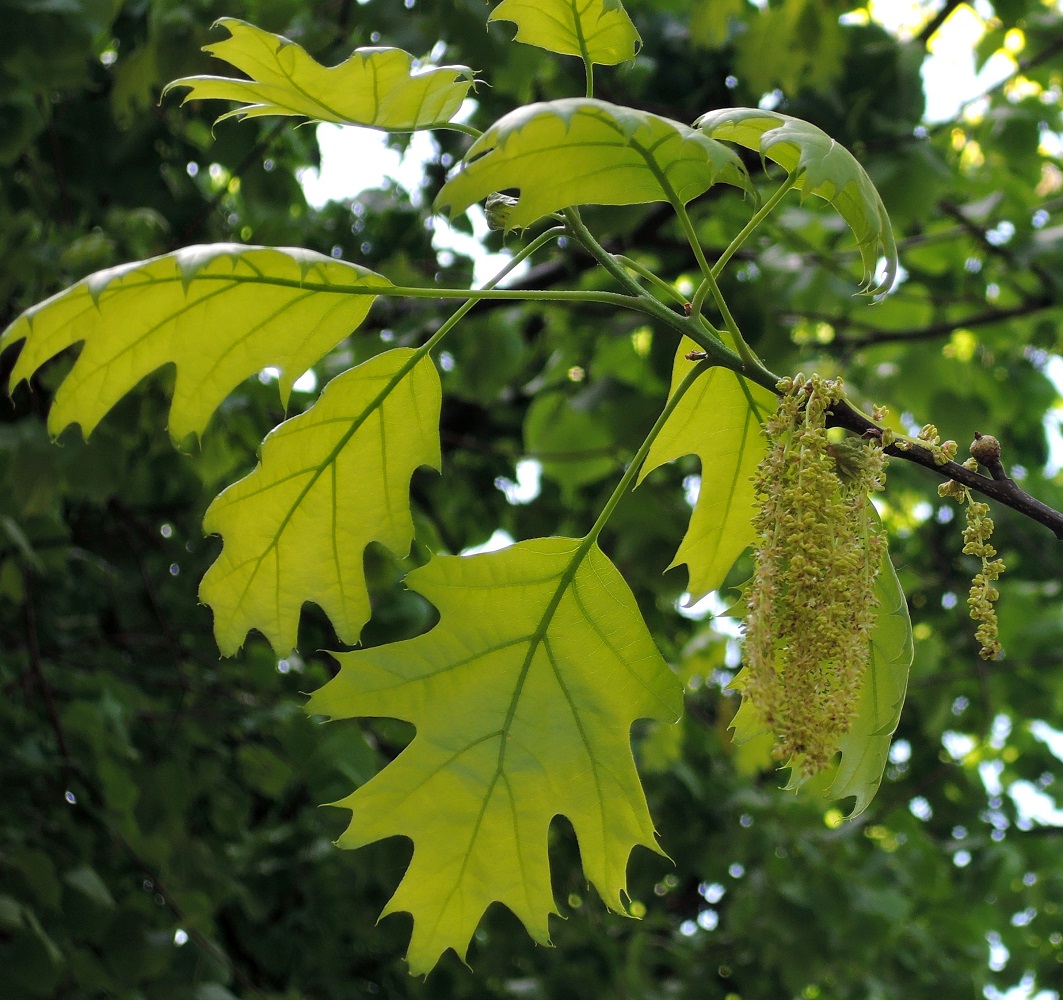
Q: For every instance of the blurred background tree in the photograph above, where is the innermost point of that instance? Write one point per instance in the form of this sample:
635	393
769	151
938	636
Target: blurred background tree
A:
160	835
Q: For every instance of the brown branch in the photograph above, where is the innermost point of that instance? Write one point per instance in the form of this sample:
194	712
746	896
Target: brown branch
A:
981	234
211	205
876	335
931	27
34	648
196	936
1003	490
100	816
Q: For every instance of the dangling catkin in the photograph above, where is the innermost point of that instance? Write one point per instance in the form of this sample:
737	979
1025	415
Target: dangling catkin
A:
812	600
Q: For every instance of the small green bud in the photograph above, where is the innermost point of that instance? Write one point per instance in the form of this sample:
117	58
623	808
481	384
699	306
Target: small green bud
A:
497	209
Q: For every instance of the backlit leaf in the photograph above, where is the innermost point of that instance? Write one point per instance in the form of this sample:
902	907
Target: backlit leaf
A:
718	420
599	30
584	151
219	313
376	87
865	748
827	170
331	480
523	698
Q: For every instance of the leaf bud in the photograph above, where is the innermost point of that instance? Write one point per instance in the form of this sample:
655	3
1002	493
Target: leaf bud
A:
985	448
497	209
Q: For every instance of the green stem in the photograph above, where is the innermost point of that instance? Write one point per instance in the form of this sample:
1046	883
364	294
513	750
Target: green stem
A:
688	231
541	240
745	352
762	213
644	449
588	540
697	303
588	66
666	289
420	292
461	127
694	327
599	253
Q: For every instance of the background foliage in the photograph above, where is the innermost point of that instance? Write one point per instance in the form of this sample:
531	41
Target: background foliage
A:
160	835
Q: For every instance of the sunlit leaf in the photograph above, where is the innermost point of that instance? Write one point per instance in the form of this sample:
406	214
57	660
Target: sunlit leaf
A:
377	87
218	313
718	420
598	30
827	170
865	748
584	151
523	698
331	480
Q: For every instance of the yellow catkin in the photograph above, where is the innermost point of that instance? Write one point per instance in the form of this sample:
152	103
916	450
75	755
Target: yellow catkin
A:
812	601
976	542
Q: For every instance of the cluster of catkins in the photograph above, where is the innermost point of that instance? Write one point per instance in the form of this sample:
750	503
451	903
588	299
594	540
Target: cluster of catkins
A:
811	605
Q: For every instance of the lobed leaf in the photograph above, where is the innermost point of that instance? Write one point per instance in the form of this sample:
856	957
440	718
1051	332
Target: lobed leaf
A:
375	87
218	313
523	698
719	421
581	150
865	748
597	30
826	169
330	481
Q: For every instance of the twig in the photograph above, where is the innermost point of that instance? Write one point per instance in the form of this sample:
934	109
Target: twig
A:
34	647
252	154
924	36
876	335
1003	490
981	233
101	818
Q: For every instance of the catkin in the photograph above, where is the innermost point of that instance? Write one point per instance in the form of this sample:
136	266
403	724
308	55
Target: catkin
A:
812	601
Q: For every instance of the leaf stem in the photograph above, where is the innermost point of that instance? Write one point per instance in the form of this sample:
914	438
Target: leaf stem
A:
600	254
761	214
541	240
588	65
644	449
694	327
462	127
688	231
658	282
709	285
753	366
